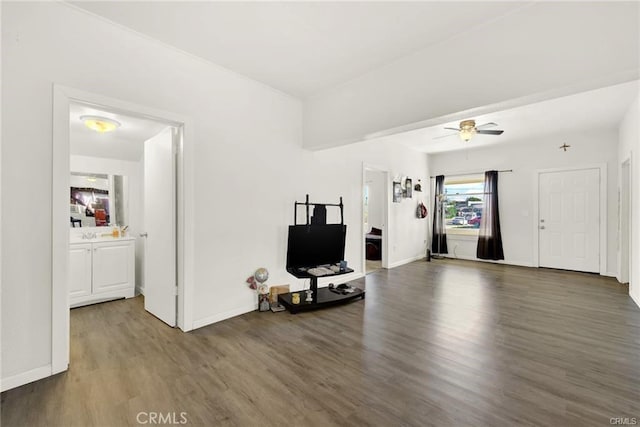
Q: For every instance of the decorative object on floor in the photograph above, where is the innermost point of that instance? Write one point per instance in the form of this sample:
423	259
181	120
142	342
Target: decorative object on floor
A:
418	187
263	302
309	295
564	146
274	291
295	298
397	192
256	282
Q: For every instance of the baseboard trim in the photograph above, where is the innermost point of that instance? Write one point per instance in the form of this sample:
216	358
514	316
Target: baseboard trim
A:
224	316
516	263
140	290
406	261
25	378
636	300
610	274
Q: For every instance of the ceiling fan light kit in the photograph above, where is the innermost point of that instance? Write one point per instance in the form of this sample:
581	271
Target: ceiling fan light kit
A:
468	129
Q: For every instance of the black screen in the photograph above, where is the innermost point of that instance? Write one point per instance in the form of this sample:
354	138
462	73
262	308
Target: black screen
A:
313	245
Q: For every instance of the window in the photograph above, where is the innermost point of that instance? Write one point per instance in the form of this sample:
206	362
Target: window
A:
462	204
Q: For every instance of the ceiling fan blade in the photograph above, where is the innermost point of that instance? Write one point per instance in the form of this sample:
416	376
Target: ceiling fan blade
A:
457	130
489	132
445	136
487	125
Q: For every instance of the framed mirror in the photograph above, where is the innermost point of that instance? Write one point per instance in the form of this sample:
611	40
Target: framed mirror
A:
97	200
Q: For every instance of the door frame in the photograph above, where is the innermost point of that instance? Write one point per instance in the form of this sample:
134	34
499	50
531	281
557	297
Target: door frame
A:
602	268
385	215
629	187
62	98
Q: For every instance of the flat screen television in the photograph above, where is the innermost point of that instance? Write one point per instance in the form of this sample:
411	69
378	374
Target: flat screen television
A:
314	245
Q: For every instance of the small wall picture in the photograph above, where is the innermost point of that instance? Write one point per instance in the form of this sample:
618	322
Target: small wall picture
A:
397	192
408	188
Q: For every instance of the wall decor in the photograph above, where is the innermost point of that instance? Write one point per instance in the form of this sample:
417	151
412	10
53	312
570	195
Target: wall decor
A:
397	192
408	188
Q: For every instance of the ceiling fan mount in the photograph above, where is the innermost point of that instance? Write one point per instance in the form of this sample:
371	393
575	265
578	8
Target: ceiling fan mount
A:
468	129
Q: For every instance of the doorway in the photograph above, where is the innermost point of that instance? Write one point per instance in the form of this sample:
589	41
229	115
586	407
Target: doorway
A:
121	179
569	219
625	221
179	233
374	219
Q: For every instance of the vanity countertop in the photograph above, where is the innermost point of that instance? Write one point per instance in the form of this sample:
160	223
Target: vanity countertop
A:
99	239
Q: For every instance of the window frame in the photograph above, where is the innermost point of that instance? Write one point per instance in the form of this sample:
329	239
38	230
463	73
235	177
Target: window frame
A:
466	179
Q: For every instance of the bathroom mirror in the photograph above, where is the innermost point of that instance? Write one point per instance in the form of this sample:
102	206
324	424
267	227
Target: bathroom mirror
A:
97	200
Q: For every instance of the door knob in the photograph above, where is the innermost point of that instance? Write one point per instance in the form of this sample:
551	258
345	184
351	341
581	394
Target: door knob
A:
143	234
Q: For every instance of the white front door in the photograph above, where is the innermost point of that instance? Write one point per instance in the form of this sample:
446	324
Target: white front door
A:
569	220
160	227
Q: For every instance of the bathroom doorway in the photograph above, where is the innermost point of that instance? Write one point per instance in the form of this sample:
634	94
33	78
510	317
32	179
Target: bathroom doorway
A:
132	202
122	207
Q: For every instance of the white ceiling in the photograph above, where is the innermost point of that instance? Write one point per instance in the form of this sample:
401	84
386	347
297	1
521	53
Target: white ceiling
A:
124	143
301	47
596	109
304	48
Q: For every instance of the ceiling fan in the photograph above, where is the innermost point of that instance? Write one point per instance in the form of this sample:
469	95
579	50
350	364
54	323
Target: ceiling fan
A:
468	129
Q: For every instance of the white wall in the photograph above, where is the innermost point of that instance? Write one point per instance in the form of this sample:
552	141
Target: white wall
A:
485	65
516	189
629	146
248	170
340	172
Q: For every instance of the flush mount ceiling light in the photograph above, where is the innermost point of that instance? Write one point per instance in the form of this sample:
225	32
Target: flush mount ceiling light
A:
100	124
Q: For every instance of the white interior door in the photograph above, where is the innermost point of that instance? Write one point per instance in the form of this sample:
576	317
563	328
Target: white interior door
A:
160	289
569	220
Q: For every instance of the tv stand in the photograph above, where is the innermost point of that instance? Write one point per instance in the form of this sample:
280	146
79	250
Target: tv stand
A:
321	297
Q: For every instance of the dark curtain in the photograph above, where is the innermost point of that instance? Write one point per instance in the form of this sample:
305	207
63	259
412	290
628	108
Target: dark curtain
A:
490	237
439	233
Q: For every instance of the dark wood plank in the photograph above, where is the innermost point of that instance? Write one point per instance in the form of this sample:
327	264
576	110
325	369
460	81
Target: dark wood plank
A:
442	343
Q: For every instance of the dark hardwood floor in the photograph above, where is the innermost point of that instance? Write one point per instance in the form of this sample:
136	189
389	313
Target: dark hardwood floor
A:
445	343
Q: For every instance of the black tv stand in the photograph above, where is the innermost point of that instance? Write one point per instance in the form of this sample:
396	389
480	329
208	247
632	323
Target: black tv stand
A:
322	297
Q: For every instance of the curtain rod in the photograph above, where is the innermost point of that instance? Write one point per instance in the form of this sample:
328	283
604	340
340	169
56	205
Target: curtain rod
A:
472	173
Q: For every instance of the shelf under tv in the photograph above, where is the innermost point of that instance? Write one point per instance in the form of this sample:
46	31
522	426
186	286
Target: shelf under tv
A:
322	297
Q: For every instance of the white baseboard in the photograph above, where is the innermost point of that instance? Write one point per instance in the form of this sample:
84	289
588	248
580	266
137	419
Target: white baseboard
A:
636	300
224	316
609	274
25	378
466	258
249	308
406	261
139	290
